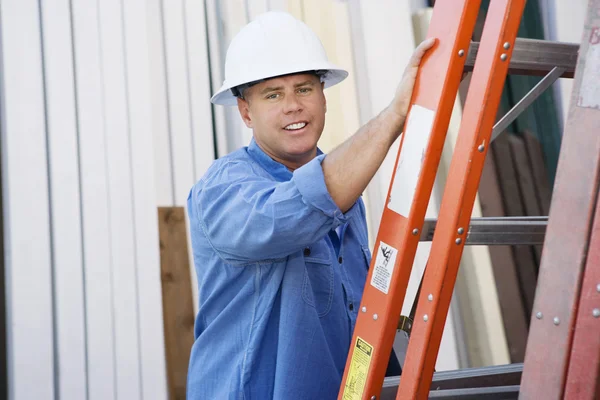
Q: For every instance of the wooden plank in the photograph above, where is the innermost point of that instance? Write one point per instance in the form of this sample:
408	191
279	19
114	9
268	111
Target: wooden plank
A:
151	337
28	253
178	308
179	99
64	178
505	270
569	227
511	195
123	246
543	190
199	87
94	207
526	184
163	164
583	376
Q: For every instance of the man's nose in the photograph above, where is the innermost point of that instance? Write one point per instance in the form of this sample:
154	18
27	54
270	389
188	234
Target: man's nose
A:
291	104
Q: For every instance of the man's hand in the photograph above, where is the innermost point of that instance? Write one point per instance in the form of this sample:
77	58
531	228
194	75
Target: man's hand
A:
401	101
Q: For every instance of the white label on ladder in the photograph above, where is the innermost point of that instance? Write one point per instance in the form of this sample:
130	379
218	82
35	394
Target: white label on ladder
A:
589	93
384	267
416	137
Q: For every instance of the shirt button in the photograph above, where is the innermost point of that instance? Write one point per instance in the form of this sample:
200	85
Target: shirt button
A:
351	306
340	260
307	252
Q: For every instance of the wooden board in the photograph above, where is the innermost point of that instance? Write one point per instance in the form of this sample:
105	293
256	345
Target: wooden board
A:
69	304
178	308
147	273
526	183
96	230
506	275
539	171
511	196
25	191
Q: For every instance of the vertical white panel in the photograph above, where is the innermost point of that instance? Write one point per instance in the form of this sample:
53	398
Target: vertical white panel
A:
94	202
152	342
281	5
65	201
256	7
201	108
27	249
127	346
179	100
235	17
570	18
160	109
217	63
199	86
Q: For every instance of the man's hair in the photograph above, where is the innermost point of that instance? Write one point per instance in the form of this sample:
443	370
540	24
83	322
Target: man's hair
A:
239	91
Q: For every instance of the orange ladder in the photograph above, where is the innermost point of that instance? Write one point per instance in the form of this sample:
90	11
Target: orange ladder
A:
403	218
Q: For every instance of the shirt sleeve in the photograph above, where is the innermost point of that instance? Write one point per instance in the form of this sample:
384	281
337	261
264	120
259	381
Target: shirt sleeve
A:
247	217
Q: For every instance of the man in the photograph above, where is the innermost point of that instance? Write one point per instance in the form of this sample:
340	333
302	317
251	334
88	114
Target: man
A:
278	228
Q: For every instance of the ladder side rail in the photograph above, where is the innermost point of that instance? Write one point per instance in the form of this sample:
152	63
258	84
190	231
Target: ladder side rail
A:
481	106
583	375
421	145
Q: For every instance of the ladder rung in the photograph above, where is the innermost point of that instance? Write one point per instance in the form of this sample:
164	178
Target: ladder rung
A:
503	376
536	57
496	231
483	393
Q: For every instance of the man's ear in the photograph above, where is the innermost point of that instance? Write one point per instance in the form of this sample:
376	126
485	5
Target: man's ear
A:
244	109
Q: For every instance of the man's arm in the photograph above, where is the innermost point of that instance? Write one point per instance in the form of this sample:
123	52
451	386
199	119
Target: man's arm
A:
349	168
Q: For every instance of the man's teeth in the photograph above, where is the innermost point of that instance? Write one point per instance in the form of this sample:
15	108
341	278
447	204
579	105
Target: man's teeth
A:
299	125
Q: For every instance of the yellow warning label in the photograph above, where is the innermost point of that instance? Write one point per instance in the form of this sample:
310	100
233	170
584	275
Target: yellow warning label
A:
359	368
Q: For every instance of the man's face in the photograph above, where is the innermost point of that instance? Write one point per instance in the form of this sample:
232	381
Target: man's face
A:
287	115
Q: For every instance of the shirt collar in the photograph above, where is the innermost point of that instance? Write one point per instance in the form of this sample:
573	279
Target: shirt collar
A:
276	169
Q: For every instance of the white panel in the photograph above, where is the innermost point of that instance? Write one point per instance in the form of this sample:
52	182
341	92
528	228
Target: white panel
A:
570	19
236	17
127	346
201	108
179	100
256	7
65	201
281	5
152	342
27	255
217	63
199	87
94	203
160	108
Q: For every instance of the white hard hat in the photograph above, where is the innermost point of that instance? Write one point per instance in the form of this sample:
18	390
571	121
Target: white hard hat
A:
272	45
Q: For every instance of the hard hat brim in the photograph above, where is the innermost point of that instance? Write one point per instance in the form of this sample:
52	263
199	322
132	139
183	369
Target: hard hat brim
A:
333	76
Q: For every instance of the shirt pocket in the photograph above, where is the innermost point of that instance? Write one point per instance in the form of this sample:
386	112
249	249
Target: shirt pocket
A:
317	288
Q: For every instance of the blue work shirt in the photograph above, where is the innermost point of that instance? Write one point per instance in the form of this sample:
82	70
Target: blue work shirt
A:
279	289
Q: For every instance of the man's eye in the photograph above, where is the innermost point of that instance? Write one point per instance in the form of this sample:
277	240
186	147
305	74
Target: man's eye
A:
272	96
304	90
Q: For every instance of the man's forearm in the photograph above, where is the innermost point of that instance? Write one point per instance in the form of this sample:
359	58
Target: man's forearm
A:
349	167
